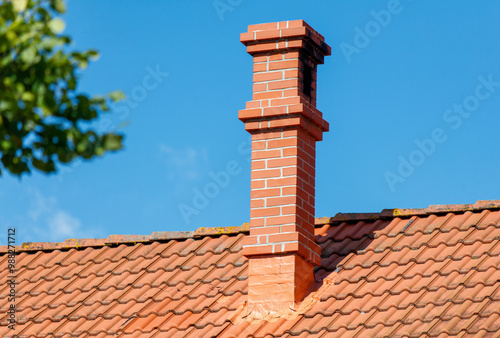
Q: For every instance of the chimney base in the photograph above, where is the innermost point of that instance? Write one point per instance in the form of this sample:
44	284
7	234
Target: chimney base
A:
277	283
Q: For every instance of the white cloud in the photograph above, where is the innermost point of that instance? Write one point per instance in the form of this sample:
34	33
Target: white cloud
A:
186	164
40	205
45	221
63	224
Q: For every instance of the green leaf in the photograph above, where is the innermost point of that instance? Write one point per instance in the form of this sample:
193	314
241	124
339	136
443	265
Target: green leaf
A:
19	5
82	146
93	54
112	142
6	145
46	167
99	151
57	25
58	5
117	95
51	42
27	96
28	55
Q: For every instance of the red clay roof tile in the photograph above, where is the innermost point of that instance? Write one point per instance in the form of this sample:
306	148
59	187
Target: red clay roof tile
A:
400	272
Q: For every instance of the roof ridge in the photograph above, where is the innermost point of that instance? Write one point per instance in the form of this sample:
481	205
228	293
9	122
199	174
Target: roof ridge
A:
217	231
76	243
406	212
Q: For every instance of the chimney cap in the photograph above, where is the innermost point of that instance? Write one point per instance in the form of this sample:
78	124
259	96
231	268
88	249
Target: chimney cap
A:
285	35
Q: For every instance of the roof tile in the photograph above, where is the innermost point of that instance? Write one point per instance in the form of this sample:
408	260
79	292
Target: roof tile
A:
401	272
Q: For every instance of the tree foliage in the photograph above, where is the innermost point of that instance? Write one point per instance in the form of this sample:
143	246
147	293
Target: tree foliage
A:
44	120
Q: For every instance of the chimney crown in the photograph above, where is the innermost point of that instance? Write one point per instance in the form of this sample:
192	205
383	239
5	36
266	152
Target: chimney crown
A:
285	35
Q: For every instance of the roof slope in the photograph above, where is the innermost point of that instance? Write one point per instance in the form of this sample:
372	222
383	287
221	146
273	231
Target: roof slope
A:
422	272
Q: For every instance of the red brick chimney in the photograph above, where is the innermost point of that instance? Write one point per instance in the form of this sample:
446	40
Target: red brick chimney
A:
285	125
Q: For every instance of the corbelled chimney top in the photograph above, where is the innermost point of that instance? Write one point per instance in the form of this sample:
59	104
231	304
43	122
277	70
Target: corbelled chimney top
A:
270	37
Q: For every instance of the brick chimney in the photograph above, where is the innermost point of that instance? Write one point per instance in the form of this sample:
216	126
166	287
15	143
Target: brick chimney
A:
285	125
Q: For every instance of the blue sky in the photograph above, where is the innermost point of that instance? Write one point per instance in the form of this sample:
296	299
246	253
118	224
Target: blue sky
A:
413	101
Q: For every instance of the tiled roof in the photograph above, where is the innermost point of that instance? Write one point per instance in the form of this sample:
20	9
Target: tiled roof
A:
402	272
